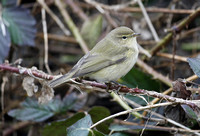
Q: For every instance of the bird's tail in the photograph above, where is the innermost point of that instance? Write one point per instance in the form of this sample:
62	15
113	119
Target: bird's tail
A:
60	80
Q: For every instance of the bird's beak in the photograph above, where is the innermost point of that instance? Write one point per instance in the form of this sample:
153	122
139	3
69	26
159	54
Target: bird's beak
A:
135	34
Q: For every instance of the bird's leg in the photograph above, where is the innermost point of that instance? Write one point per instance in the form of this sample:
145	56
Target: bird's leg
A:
114	83
108	84
118	85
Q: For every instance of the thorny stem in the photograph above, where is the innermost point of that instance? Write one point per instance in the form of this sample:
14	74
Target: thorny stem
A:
95	85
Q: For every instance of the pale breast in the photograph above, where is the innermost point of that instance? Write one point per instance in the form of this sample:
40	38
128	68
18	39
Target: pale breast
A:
114	72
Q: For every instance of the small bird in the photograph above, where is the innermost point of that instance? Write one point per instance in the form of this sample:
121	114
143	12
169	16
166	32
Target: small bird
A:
110	59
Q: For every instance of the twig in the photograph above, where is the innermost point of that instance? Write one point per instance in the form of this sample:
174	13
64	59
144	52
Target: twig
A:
26	71
135	9
16	126
177	57
174	53
56	19
139	109
131	110
121	122
5	79
59	37
44	23
176	28
158	115
158	10
113	7
153	31
71	25
77	10
98	6
124	105
187	33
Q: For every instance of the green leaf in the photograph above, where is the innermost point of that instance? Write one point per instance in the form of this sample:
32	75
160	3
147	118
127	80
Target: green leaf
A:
189	111
5	42
91	30
21	25
97	113
195	65
137	78
80	127
138	100
31	110
58	128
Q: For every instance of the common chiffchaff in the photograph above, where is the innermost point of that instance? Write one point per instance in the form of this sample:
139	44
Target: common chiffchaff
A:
109	60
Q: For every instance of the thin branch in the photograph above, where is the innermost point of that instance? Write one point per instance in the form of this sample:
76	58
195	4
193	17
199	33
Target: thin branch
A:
170	56
77	10
5	79
176	28
92	85
124	105
131	110
125	8
55	18
59	38
15	127
26	71
174	53
44	24
121	122
158	10
157	114
98	6
146	16
136	110
71	25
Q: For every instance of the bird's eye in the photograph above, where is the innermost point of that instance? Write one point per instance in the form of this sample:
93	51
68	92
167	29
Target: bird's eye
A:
124	37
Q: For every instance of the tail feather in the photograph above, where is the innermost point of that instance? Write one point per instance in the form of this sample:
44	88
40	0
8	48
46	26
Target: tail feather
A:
58	81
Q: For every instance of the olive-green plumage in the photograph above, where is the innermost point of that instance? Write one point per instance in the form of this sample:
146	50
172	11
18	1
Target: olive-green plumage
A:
109	60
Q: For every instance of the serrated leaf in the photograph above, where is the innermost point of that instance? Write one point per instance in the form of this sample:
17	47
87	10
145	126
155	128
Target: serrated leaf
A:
58	128
80	127
21	25
73	103
97	113
91	30
195	65
5	42
31	110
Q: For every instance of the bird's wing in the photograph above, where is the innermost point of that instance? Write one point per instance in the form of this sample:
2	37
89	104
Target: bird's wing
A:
86	65
94	63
